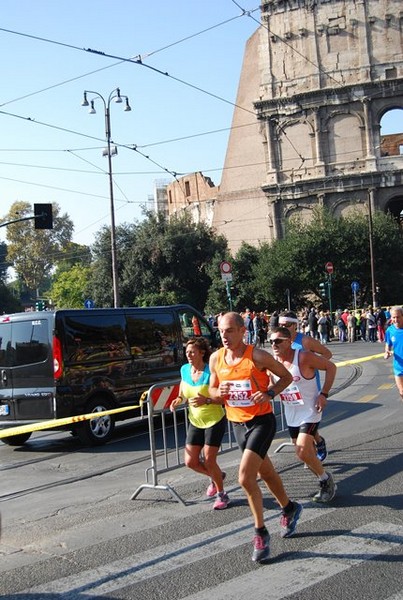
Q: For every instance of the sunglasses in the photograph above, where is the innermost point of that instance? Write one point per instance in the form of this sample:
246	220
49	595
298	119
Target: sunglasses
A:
277	341
287	324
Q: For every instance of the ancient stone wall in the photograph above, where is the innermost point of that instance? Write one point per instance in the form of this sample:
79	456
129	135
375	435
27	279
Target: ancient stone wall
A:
319	75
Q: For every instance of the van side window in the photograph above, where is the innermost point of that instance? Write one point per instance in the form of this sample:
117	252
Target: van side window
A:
193	326
152	338
95	337
5	345
29	343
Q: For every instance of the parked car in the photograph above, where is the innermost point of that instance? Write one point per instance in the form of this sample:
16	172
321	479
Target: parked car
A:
63	363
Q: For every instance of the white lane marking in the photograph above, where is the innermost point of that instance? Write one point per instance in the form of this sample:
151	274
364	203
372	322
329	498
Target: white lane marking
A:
162	559
310	567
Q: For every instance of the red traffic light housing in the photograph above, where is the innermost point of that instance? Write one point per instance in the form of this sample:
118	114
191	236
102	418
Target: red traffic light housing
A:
43	216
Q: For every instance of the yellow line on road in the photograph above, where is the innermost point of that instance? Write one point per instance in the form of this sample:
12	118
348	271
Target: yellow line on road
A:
386	386
367	398
353	361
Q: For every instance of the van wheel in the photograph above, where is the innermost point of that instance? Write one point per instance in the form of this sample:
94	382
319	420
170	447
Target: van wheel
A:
16	440
97	431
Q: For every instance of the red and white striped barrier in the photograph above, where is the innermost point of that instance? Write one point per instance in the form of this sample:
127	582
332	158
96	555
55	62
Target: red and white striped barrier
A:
161	397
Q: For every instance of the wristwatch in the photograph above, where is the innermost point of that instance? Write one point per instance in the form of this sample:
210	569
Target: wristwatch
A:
271	393
208	400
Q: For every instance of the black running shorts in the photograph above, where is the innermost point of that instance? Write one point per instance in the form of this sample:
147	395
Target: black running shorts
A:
256	434
309	428
211	436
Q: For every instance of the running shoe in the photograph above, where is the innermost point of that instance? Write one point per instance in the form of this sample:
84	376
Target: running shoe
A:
289	521
321	450
261	549
327	490
212	490
221	501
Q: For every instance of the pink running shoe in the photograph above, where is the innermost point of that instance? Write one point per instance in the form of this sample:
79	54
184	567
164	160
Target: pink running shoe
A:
212	490
221	501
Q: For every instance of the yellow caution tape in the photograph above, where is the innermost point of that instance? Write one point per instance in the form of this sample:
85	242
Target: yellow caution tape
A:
344	363
78	418
60	422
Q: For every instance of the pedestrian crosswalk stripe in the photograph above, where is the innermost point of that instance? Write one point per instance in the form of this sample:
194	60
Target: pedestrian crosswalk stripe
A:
334	556
310	567
162	559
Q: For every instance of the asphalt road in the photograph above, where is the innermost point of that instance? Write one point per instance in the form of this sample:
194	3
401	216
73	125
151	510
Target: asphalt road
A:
70	529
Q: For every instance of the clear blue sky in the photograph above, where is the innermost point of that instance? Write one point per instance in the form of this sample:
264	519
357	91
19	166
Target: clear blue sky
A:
51	149
50	159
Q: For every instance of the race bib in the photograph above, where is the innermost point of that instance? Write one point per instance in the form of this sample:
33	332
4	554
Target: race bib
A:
240	393
291	395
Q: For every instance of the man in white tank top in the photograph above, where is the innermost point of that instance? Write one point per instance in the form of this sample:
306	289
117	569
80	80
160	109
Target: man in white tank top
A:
304	402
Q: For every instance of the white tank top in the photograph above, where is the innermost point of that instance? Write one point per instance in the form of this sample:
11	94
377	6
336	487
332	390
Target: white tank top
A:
299	398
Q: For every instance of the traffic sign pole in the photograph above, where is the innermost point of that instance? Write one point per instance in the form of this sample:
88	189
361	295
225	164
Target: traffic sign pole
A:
329	291
226	275
329	270
229	295
355	286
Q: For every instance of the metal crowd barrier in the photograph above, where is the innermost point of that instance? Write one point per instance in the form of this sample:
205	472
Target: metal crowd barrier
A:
167	452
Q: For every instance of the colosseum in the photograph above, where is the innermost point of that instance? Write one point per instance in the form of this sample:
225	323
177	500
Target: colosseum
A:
317	78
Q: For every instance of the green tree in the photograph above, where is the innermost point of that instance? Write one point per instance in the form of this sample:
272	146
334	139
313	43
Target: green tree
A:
160	261
32	252
8	302
243	279
170	260
101	266
72	254
3	262
297	262
70	287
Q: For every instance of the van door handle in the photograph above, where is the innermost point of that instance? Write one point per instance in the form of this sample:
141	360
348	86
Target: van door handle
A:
3	376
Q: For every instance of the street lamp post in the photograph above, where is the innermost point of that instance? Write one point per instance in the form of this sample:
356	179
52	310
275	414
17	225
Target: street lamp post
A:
118	98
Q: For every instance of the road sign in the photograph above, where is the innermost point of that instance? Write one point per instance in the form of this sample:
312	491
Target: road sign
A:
226	276
329	267
225	267
355	286
89	303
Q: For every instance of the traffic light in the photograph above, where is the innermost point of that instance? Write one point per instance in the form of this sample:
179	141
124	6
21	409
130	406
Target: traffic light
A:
43	216
323	289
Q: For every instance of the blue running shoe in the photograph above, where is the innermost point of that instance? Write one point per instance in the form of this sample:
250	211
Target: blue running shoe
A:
289	521
261	549
321	450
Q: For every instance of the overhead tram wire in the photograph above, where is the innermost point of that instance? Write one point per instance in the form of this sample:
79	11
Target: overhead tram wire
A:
142	146
138	61
120	61
58	128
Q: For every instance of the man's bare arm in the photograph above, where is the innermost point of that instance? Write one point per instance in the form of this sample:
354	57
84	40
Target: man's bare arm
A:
309	343
264	360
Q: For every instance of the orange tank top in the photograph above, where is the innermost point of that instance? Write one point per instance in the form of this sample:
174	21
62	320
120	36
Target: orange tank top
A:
245	379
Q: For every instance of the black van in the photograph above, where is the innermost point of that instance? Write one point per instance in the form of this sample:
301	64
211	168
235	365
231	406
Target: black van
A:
64	363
